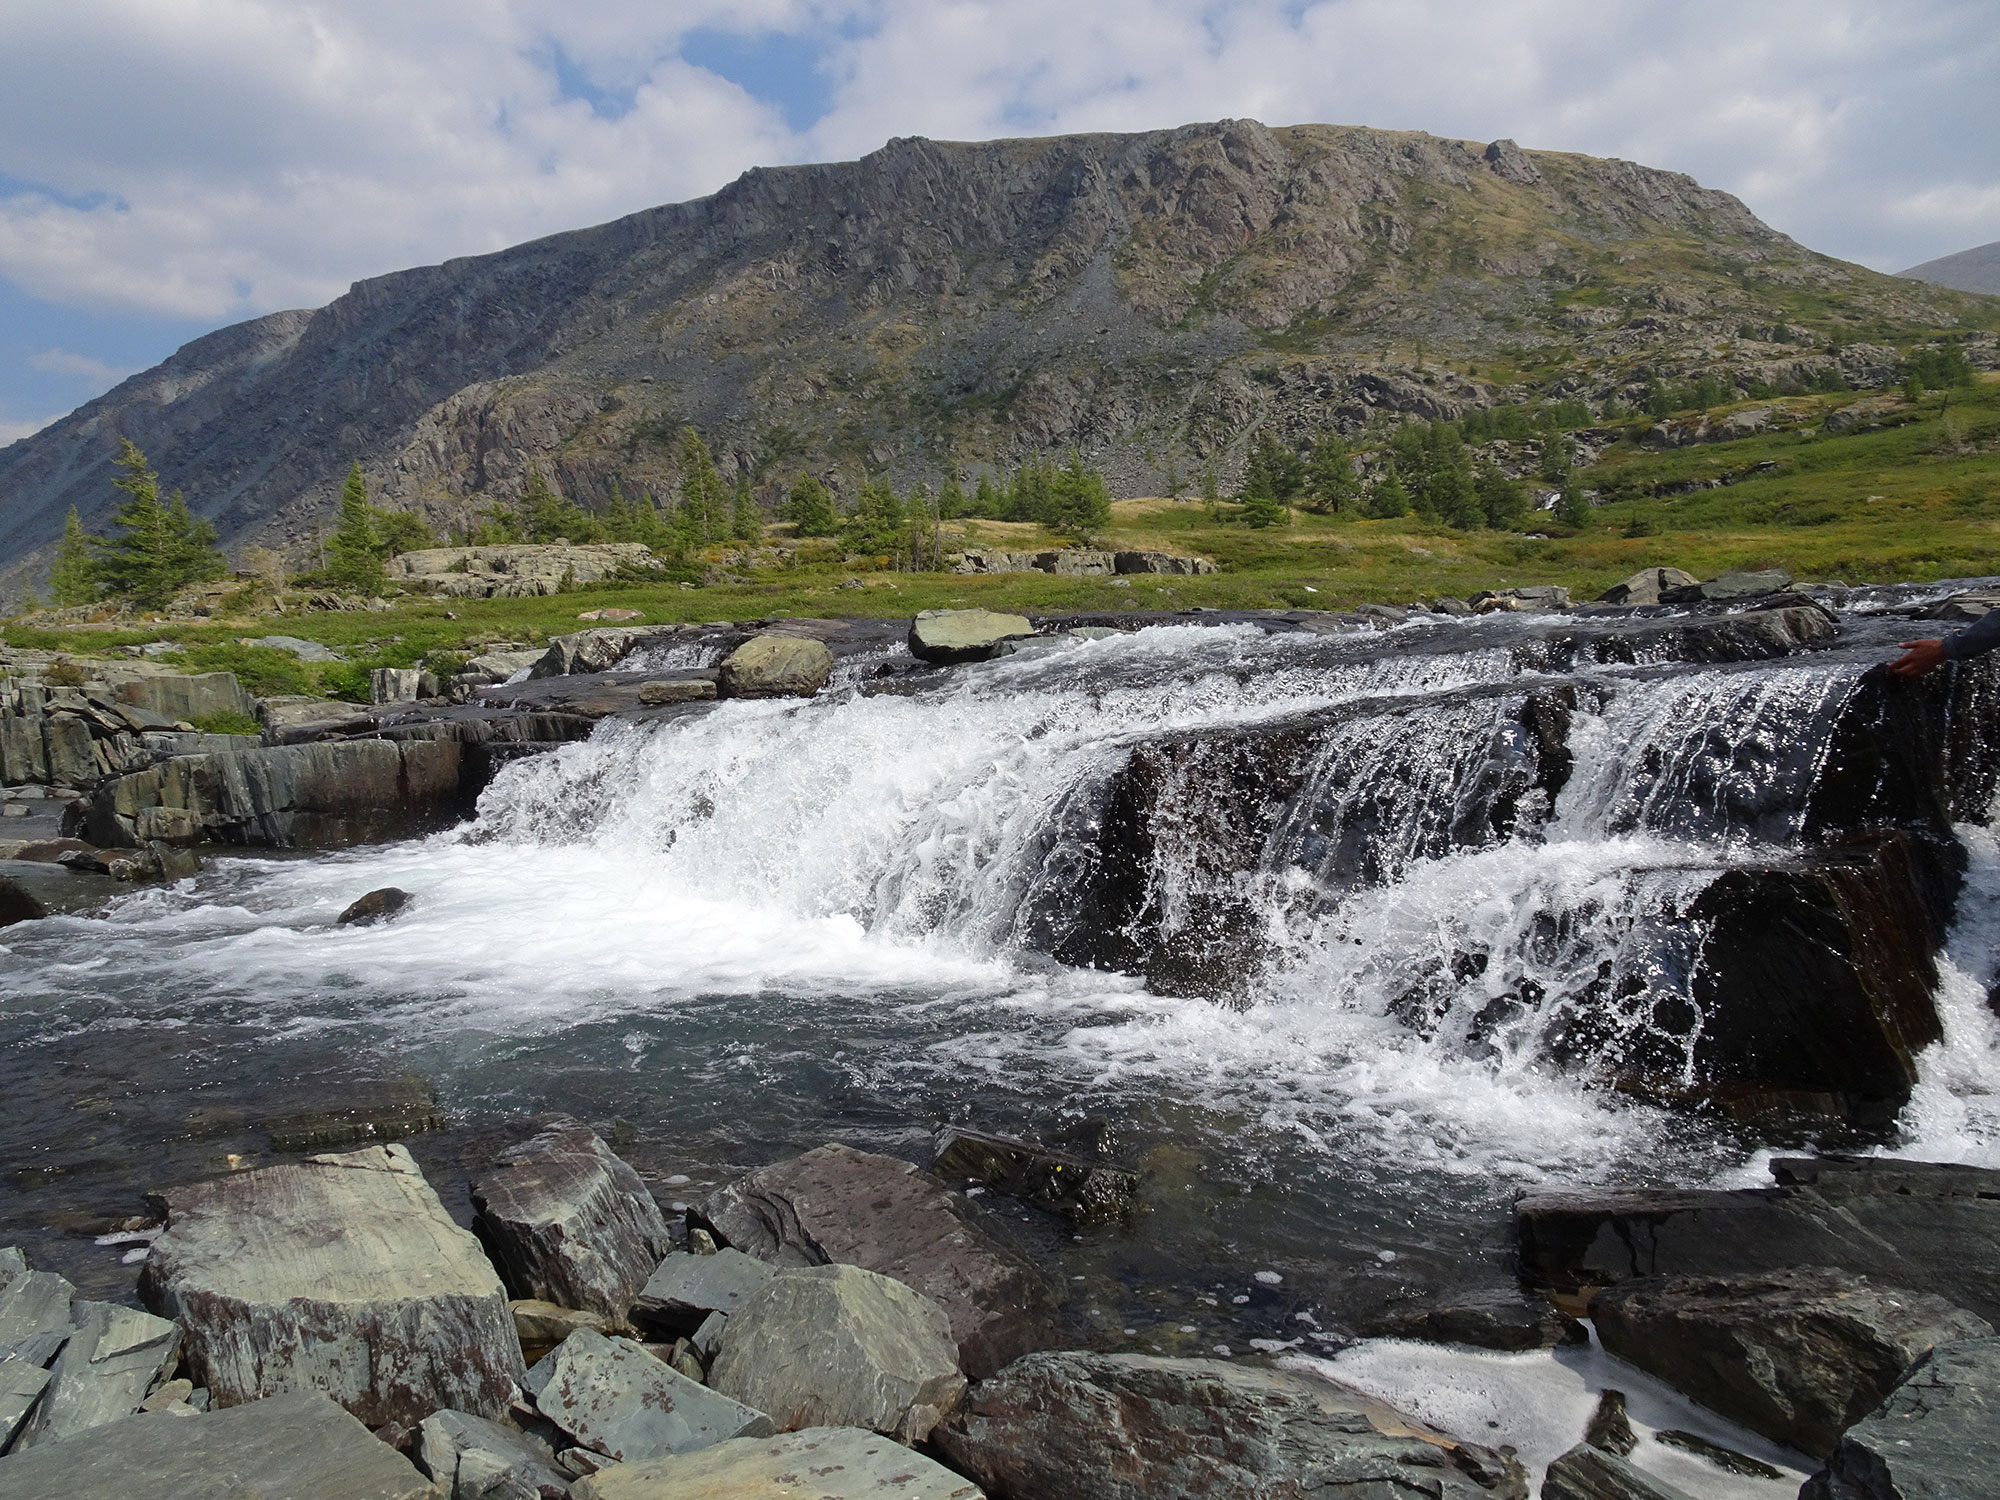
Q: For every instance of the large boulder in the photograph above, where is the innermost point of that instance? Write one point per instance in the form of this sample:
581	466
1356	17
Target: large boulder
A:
1796	1355
956	635
837	1346
845	1463
860	1209
1132	1427
204	695
1587	1473
1648	586
1937	1437
340	1273
1923	1225
617	1400
114	1358
686	1290
567	1222
775	666
476	1458
300	1447
1730	586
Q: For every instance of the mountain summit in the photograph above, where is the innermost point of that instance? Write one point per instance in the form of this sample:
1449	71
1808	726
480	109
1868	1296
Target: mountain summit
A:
1151	299
1974	270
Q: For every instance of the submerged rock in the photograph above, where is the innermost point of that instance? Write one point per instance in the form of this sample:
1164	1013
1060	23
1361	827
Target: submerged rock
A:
837	1346
839	1204
1086	1191
1587	1473
377	906
301	1447
845	1463
568	1222
1174	1429
946	636
1937	1436
1796	1355
775	666
617	1400
339	1273
1485	1320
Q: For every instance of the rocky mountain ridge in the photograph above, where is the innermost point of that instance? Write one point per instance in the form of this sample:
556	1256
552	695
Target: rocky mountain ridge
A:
1152	299
1974	270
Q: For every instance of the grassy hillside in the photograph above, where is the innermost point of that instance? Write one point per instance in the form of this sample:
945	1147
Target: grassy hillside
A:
1916	498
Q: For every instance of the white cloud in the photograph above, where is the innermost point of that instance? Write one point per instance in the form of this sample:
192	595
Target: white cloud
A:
81	366
216	158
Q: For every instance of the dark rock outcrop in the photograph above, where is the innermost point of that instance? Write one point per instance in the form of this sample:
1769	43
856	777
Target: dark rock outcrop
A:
566	1221
1080	1189
1124	1426
836	1204
1589	1473
1485	1320
377	906
1796	1355
1937	1435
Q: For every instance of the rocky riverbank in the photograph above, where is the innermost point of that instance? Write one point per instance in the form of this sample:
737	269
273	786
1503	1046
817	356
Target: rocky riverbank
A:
845	1311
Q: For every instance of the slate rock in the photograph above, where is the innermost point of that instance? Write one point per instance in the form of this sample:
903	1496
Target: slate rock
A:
775	666
1485	1320
1084	1191
1610	1428
113	1359
1587	1473
1798	1356
946	636
1134	1427
680	1296
543	1325
340	1273
845	1463
298	1447
33	1302
22	1382
1937	1437
568	1222
618	1400
377	906
676	690
18	904
1923	1225
838	1204
1730	586
1648	586
837	1346
475	1458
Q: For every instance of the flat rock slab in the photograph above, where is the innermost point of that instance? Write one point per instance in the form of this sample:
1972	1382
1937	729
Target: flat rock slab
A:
1587	1473
339	1273
859	1209
114	1358
616	1399
1484	1320
33	1302
1799	1356
837	1346
1125	1425
957	635
1937	1437
21	1384
297	1447
686	1290
567	1222
818	1463
473	1458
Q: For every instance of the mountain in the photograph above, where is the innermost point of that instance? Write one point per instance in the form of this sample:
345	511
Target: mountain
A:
1152	299
1975	270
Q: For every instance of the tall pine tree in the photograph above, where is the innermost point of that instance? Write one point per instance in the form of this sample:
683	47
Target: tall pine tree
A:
354	551
810	509
160	547
73	579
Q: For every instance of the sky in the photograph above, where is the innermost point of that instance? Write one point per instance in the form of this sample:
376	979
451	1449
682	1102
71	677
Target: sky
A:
172	166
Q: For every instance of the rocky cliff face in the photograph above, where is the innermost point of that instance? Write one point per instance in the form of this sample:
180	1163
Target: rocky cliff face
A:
1149	298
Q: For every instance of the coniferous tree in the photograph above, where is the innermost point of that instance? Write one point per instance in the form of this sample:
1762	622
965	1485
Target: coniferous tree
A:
1331	483
160	548
1572	505
73	579
1078	501
1503	501
810	509
701	515
546	516
1453	498
747	523
1389	497
951	502
876	527
354	556
987	501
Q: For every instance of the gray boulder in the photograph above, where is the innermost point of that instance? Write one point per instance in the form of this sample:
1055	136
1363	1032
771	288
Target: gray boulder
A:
845	1463
837	1346
22	1382
775	666
300	1447
303	649
1131	1427
1796	1355
836	1204
31	1303
1648	586
686	1290
567	1222
617	1400
340	1273
1587	1473
114	1358
181	699
290	718
956	635
667	690
1937	1437
474	1458
1730	586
